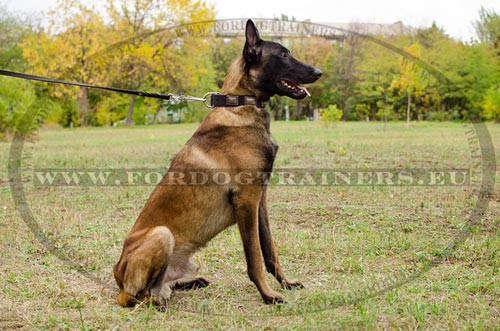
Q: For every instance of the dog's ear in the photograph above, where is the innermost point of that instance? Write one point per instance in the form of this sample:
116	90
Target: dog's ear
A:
252	50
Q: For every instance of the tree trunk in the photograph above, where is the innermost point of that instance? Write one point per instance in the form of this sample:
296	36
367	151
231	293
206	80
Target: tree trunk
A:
130	114
83	102
408	109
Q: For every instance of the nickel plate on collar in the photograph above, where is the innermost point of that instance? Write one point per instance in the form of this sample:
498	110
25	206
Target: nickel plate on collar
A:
232	100
250	100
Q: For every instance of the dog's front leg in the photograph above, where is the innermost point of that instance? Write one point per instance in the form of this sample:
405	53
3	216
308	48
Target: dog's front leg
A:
248	223
269	250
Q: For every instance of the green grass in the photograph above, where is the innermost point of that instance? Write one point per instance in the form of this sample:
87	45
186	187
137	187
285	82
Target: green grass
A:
338	240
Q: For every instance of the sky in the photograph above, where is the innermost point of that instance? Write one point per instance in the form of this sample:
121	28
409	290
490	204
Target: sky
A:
455	16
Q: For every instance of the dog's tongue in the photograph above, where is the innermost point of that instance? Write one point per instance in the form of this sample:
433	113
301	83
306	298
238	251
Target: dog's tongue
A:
302	88
305	90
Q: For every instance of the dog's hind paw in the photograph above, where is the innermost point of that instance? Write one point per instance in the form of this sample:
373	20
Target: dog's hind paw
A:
160	302
192	284
159	297
273	298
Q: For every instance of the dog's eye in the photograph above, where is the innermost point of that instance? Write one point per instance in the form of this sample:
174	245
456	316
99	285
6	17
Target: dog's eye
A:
284	54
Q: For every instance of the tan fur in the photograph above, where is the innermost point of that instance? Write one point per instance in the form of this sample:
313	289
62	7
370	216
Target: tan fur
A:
177	220
236	81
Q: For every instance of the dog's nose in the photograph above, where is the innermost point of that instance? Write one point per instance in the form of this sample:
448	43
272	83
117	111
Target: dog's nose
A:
317	72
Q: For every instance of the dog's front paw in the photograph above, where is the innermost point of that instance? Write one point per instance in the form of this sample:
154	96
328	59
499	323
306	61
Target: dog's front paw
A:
290	284
273	298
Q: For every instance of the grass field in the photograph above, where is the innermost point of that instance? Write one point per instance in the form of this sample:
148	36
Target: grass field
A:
341	241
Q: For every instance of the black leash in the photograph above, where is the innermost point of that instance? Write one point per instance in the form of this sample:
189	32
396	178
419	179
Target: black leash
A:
57	81
216	99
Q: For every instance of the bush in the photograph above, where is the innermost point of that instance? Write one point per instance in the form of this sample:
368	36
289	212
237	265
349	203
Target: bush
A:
362	111
439	116
18	97
331	114
492	104
195	112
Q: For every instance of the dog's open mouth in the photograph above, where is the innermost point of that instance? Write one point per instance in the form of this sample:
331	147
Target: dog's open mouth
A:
292	88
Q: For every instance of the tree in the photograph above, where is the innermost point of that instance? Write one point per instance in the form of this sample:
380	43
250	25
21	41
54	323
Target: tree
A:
480	72
135	60
135	47
488	27
319	53
16	96
346	70
14	29
412	78
146	58
124	50
76	30
372	93
223	54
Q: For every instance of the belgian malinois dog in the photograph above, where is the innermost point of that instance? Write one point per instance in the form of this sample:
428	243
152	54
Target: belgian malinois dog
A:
177	220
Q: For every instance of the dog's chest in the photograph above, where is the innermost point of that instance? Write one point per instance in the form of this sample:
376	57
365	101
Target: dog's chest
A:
270	149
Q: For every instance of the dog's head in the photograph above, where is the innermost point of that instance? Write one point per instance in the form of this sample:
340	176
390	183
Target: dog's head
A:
273	70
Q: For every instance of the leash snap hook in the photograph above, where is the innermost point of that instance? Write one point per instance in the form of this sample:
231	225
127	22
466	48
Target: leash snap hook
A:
186	98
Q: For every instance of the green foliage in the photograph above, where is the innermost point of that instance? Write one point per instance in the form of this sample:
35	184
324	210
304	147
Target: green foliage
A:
16	99
223	54
488	27
386	112
80	45
13	29
364	79
331	114
195	112
480	73
492	104
277	108
111	109
362	111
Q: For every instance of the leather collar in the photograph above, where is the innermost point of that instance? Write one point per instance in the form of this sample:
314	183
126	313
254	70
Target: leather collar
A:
227	100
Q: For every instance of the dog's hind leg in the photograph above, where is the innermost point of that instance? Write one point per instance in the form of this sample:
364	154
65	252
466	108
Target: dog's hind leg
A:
181	273
141	263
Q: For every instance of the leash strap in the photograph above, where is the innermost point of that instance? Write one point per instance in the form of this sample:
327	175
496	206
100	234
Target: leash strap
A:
114	89
216	99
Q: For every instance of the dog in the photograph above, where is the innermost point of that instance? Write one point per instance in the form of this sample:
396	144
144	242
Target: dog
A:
178	220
